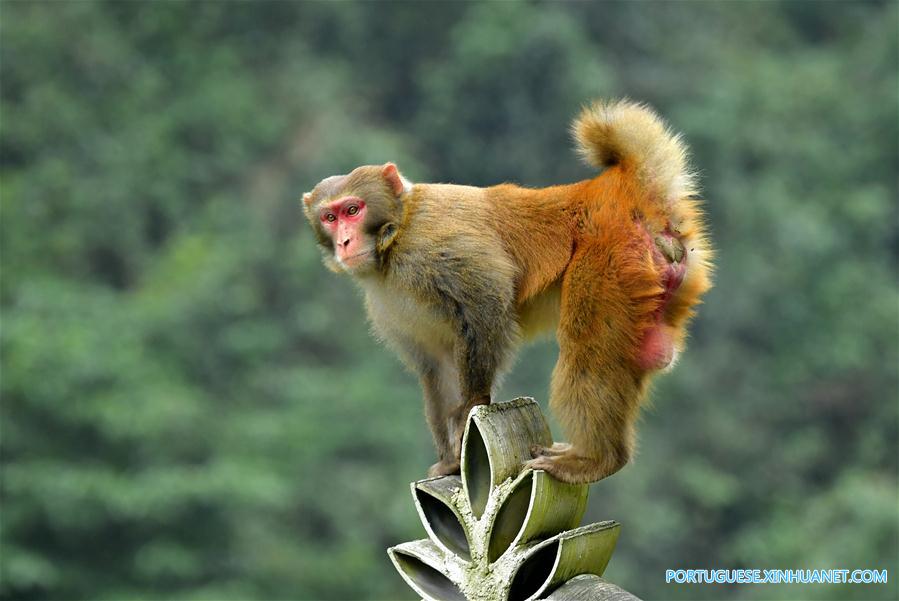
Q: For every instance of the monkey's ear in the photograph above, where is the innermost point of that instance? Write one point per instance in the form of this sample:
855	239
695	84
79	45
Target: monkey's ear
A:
399	184
386	236
307	204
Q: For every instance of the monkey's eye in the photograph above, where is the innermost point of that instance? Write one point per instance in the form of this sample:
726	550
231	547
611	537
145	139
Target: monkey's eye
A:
330	217
352	210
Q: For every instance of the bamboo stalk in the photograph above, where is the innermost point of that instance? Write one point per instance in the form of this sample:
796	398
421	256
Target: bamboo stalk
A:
588	587
497	440
548	564
440	516
424	567
539	506
500	533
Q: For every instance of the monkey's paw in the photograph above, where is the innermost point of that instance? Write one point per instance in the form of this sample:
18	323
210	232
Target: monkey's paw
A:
568	467
444	468
559	448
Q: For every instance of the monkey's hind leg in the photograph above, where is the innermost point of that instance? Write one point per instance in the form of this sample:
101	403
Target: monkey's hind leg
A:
558	448
596	387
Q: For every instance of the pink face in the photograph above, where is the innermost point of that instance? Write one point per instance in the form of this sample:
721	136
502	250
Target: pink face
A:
343	219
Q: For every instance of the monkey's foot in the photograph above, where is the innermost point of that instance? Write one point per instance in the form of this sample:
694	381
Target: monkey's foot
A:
444	468
569	467
558	448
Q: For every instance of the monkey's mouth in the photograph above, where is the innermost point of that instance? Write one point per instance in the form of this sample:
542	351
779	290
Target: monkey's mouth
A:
355	259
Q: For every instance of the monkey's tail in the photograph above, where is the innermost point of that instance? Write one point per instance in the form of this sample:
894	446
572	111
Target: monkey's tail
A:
631	135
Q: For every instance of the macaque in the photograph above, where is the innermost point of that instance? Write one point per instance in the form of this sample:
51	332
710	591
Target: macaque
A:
457	277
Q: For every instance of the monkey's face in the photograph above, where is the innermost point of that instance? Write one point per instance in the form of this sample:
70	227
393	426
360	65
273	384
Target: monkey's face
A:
356	217
343	220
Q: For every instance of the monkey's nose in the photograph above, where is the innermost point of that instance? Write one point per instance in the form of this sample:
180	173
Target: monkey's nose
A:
345	242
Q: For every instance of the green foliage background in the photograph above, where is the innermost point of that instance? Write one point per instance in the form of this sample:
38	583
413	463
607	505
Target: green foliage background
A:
192	407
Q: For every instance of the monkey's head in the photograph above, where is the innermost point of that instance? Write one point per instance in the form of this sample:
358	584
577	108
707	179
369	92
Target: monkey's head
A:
357	217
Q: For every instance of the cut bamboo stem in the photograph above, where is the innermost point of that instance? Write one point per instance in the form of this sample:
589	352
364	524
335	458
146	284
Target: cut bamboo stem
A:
501	533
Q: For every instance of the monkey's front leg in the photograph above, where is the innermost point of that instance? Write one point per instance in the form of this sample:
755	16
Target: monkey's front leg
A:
477	304
441	392
451	390
480	350
440	385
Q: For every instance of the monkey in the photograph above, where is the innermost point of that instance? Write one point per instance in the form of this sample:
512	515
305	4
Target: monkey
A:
457	277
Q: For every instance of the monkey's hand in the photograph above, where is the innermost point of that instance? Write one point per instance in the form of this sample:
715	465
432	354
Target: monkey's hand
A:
444	468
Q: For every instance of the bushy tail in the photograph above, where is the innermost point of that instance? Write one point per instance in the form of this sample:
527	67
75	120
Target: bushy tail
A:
631	135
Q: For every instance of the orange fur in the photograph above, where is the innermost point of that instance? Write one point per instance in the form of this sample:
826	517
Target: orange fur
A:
616	320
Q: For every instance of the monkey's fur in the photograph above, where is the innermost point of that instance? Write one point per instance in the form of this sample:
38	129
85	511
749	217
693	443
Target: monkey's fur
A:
455	277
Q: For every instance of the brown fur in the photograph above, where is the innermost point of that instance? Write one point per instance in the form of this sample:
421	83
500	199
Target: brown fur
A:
615	263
